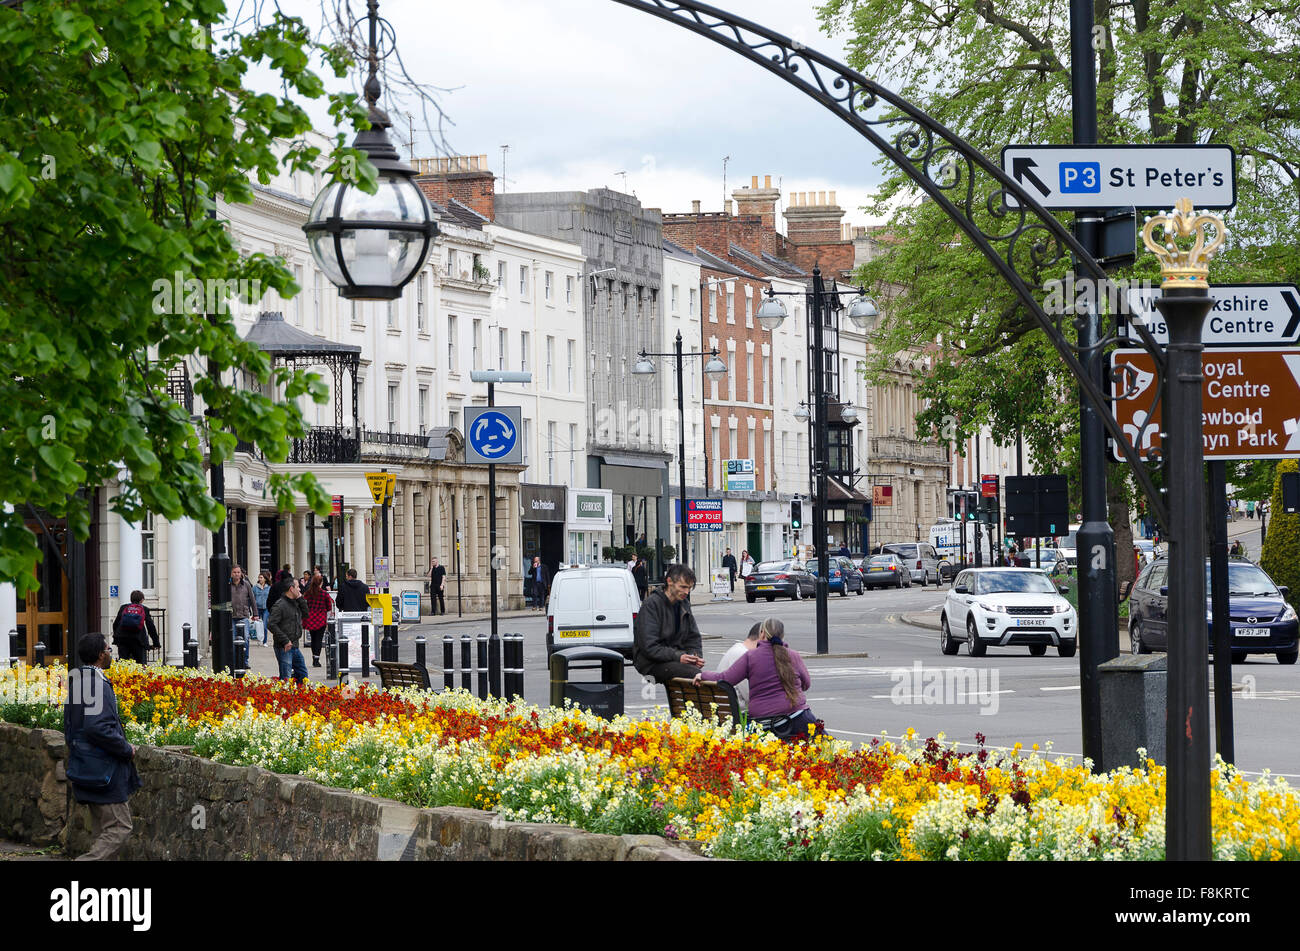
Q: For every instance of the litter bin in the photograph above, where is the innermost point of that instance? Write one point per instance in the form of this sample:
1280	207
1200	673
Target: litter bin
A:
603	698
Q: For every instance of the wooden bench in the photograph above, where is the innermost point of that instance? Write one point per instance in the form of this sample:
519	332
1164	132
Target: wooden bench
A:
711	698
394	674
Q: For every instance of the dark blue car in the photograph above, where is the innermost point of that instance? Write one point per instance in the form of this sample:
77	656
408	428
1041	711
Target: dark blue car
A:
1260	620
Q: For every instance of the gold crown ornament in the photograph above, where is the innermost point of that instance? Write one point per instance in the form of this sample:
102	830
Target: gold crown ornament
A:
1189	267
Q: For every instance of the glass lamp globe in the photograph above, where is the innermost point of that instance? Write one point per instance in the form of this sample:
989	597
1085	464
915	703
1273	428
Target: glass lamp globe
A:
771	313
801	413
715	369
644	367
863	312
849	414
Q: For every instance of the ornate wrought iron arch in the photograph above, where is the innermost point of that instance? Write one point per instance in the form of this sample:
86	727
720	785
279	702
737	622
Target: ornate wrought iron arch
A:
925	150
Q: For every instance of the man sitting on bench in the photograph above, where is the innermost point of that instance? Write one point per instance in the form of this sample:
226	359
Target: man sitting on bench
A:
666	641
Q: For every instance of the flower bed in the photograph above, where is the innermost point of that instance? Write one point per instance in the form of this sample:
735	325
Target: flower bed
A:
743	795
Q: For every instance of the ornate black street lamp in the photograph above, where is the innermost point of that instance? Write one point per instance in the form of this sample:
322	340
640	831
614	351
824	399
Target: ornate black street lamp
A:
714	369
863	312
370	246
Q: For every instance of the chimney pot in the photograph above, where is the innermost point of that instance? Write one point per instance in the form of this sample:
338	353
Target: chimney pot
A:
695	207
767	181
821	198
833	201
753	181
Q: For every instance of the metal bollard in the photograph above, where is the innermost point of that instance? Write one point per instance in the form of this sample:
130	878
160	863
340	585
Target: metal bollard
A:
331	649
419	650
241	656
514	666
466	662
448	662
344	666
390	642
40	650
13	647
482	667
191	647
494	666
365	648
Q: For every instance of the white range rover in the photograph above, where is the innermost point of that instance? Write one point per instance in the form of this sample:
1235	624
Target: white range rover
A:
1007	607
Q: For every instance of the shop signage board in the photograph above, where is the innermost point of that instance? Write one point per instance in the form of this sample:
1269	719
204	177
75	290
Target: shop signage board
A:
738	475
704	515
1063	177
1251	402
882	495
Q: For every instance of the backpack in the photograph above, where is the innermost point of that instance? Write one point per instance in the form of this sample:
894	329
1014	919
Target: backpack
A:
132	622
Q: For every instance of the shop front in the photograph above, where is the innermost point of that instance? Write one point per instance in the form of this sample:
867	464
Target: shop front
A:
638	484
588	524
542	510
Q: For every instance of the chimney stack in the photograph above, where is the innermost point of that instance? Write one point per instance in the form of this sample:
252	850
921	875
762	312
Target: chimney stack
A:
466	178
695	207
811	220
759	202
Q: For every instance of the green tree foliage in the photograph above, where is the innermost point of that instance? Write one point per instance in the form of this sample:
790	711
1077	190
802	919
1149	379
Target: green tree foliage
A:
998	73
120	122
1281	556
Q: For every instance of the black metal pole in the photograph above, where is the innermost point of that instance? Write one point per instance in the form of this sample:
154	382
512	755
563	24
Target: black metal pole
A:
448	662
816	306
681	454
456	555
492	524
979	504
494	666
466	662
1098	618
1219	601
1187	720
482	667
388	565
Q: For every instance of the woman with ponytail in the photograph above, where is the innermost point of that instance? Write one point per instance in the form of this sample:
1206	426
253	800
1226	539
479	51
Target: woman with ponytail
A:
777	681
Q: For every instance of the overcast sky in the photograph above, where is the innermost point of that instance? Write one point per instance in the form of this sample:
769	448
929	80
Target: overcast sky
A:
582	90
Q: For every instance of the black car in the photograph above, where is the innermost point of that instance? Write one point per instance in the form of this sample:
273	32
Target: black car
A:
1260	620
787	579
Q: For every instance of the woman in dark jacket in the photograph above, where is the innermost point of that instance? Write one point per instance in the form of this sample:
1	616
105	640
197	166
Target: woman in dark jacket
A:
641	575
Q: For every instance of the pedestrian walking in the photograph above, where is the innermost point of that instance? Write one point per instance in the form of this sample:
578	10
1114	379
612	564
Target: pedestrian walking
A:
243	604
746	564
262	590
729	562
437	588
319	604
641	575
286	630
134	631
666	641
540	580
101	763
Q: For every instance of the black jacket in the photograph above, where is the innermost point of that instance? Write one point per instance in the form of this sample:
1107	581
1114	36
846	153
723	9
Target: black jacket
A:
662	635
120	637
91	713
352	595
276	593
286	620
729	562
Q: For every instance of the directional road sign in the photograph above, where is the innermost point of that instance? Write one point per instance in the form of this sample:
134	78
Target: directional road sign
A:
1141	176
1251	402
1244	315
492	435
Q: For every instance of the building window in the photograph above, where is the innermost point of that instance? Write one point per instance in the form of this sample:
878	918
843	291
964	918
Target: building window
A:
502	345
476	345
731	304
673	300
528	439
568	289
523	351
573	448
501	275
691	311
451	345
297	298
392	407
550	453
420	318
749	377
523	280
453	416
392	315
317	301
570	375
355	312
451	262
148	557
550	363
749	306
550	280
423	409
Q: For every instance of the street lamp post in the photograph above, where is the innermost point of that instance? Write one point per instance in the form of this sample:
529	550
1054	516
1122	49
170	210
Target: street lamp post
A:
714	369
862	311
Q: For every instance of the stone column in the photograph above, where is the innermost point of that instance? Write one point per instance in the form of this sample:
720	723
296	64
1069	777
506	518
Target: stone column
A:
412	565
8	619
357	557
130	562
182	589
301	549
254	548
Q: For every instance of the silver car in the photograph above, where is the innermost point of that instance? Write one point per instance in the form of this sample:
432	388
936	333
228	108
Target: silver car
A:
920	557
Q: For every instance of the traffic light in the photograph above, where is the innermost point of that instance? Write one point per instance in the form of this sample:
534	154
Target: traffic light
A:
796	514
972	506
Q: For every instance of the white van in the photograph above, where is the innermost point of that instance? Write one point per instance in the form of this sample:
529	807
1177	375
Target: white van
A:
592	606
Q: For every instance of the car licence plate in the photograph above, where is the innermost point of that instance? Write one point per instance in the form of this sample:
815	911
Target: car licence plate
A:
1251	632
880	569
1032	622
765	587
573	635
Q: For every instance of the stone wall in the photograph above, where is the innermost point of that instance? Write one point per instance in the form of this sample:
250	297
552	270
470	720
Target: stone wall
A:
194	809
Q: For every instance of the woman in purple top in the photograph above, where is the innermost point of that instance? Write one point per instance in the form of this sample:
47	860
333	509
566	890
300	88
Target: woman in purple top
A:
777	681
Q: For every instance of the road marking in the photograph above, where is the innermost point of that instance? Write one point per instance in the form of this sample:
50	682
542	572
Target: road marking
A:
1074	687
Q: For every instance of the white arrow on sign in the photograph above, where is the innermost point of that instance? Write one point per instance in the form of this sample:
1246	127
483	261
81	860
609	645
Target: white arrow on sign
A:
1109	176
1244	315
